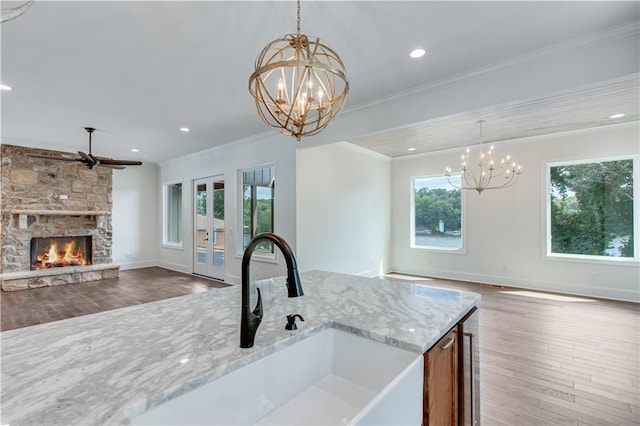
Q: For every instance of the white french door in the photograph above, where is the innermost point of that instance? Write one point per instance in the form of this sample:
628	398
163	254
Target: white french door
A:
208	250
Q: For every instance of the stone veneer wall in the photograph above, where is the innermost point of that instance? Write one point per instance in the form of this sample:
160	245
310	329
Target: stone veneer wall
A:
36	184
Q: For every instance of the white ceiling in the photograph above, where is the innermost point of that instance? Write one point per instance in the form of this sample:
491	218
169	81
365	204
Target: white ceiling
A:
139	70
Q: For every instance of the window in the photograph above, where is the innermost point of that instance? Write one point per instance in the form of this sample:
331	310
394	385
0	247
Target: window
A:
173	214
437	214
591	209
258	187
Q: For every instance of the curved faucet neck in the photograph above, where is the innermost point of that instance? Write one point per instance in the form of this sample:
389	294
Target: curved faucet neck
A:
293	280
250	320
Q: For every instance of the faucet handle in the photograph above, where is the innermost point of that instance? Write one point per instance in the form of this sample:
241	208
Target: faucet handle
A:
258	311
291	321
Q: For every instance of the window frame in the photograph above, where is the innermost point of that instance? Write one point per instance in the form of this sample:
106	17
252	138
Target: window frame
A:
588	258
264	257
166	215
412	220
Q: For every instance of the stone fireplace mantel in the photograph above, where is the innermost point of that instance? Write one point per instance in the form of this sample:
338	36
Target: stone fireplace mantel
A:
24	214
61	212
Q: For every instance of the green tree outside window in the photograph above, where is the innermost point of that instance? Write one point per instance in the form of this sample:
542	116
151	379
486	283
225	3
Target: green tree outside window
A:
437	213
592	208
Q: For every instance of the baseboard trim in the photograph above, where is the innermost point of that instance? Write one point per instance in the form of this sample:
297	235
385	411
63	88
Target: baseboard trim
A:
515	282
138	264
174	266
371	273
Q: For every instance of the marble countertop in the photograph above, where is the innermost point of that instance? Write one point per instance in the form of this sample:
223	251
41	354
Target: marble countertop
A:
106	367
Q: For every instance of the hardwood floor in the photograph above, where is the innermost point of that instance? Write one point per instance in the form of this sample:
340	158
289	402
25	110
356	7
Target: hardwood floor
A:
545	359
39	305
548	359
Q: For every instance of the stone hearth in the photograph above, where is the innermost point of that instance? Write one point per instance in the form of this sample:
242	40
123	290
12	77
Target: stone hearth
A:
44	198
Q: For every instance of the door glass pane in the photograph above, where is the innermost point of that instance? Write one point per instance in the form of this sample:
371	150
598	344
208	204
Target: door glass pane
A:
218	224
201	223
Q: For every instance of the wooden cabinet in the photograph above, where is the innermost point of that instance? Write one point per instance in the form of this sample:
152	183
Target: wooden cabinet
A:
440	403
451	377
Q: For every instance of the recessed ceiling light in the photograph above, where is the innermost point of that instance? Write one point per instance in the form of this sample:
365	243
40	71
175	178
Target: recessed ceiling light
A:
5	87
185	129
616	116
135	150
417	53
411	149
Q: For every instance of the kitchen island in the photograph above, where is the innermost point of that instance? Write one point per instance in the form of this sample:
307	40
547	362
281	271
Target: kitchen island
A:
107	367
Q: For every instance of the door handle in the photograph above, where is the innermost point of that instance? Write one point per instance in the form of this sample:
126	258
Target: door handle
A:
448	343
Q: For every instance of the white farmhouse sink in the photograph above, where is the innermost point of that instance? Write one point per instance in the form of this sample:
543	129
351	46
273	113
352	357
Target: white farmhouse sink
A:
329	378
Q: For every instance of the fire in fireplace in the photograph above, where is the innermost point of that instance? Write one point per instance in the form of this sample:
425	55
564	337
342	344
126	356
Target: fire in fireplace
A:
59	252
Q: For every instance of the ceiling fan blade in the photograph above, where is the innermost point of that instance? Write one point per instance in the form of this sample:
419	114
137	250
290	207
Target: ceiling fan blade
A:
113	162
112	166
90	160
51	157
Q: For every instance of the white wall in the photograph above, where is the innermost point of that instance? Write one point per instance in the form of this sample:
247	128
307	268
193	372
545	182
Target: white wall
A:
227	160
134	219
505	229
343	209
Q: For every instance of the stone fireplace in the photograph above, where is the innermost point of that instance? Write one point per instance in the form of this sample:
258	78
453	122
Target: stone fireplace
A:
56	221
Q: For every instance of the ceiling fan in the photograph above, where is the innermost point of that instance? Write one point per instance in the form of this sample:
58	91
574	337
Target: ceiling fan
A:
90	160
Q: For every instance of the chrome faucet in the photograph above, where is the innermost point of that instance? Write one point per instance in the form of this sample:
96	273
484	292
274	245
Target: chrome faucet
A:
250	320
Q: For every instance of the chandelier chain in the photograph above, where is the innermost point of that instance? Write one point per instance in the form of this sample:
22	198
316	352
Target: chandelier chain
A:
298	14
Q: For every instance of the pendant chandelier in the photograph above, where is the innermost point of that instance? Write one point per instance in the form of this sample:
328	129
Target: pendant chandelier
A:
487	175
299	84
12	12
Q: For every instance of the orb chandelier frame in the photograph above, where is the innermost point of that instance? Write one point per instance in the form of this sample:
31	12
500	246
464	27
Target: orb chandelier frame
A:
487	175
9	13
299	84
